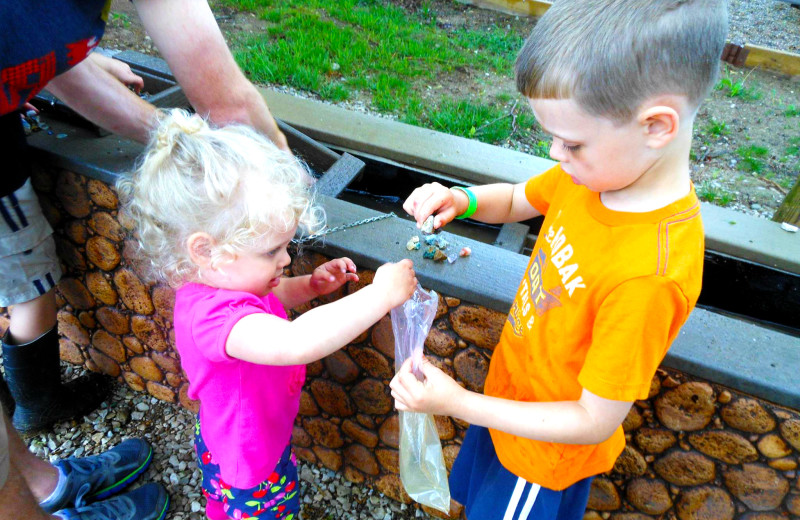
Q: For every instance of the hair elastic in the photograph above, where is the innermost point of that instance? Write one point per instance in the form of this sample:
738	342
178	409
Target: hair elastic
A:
473	202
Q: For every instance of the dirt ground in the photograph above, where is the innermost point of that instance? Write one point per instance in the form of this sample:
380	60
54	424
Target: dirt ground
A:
764	117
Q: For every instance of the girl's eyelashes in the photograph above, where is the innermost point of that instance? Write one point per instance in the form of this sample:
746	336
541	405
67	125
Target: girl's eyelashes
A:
278	249
572	148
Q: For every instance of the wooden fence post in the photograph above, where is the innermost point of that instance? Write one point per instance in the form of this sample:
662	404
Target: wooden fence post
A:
790	208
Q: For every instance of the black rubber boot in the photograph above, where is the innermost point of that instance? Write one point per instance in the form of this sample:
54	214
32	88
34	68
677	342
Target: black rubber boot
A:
5	398
33	374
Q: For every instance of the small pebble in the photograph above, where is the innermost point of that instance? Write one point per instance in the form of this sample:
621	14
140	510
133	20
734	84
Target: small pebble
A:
427	226
788	227
61	136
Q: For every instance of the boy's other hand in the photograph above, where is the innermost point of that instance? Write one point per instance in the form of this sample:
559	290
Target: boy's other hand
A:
437	394
396	281
333	274
433	198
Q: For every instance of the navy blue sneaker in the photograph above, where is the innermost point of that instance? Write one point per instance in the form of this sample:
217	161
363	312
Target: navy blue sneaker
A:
96	477
148	502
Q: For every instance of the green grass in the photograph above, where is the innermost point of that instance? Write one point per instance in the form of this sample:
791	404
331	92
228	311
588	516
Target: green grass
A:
369	49
737	89
714	194
122	18
465	118
791	111
751	158
541	149
717	128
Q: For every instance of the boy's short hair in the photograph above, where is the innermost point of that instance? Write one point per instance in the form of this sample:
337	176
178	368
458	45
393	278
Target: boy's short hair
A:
612	55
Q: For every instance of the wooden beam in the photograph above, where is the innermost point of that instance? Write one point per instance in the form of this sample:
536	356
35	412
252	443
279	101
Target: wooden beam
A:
772	59
790	208
515	7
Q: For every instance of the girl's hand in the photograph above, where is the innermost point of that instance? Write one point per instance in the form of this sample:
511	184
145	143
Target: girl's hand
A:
437	394
433	198
396	281
331	275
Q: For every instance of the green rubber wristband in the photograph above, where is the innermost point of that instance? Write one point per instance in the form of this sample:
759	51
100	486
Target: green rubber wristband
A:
473	202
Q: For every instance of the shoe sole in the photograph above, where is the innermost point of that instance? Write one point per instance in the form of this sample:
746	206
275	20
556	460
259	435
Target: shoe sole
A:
164	510
114	488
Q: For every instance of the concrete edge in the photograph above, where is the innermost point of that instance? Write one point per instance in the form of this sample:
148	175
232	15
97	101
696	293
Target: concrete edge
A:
734	353
710	346
755	239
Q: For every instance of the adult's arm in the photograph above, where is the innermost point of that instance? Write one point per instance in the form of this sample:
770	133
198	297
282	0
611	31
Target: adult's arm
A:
188	37
103	98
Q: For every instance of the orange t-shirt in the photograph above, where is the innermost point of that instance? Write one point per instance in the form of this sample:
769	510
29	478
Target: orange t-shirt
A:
603	297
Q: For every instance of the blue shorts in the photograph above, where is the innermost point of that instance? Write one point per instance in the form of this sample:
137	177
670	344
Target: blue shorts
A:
489	491
275	498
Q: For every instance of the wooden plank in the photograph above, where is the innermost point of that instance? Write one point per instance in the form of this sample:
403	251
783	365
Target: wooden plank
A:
772	59
340	175
512	236
515	7
790	208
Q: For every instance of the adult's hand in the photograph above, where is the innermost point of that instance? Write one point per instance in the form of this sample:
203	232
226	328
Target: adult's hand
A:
119	69
188	37
104	99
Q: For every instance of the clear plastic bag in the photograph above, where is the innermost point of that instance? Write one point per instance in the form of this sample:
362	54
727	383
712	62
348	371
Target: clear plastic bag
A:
422	468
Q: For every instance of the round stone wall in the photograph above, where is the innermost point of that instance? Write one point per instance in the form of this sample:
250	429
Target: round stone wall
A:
696	450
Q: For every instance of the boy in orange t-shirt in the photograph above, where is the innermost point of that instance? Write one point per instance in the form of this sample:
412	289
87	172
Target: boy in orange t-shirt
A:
617	267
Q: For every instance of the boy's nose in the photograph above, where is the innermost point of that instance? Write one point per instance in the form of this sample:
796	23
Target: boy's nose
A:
557	151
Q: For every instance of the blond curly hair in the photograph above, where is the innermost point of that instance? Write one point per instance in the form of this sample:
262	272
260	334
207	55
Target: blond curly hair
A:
231	183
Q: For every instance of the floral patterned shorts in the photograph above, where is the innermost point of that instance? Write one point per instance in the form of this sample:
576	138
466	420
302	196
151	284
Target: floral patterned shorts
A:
275	498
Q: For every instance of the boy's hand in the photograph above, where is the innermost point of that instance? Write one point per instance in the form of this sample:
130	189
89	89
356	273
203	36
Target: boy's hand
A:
437	394
433	198
396	281
331	275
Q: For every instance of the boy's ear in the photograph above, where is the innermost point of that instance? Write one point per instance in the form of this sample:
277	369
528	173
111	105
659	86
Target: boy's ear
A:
200	246
661	124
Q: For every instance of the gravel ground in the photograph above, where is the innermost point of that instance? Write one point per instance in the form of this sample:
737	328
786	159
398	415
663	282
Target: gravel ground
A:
326	495
769	23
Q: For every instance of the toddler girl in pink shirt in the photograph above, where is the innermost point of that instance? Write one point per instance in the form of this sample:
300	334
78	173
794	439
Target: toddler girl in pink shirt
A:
216	209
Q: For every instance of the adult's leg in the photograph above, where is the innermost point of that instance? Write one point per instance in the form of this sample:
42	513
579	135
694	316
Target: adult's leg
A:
39	475
16	498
